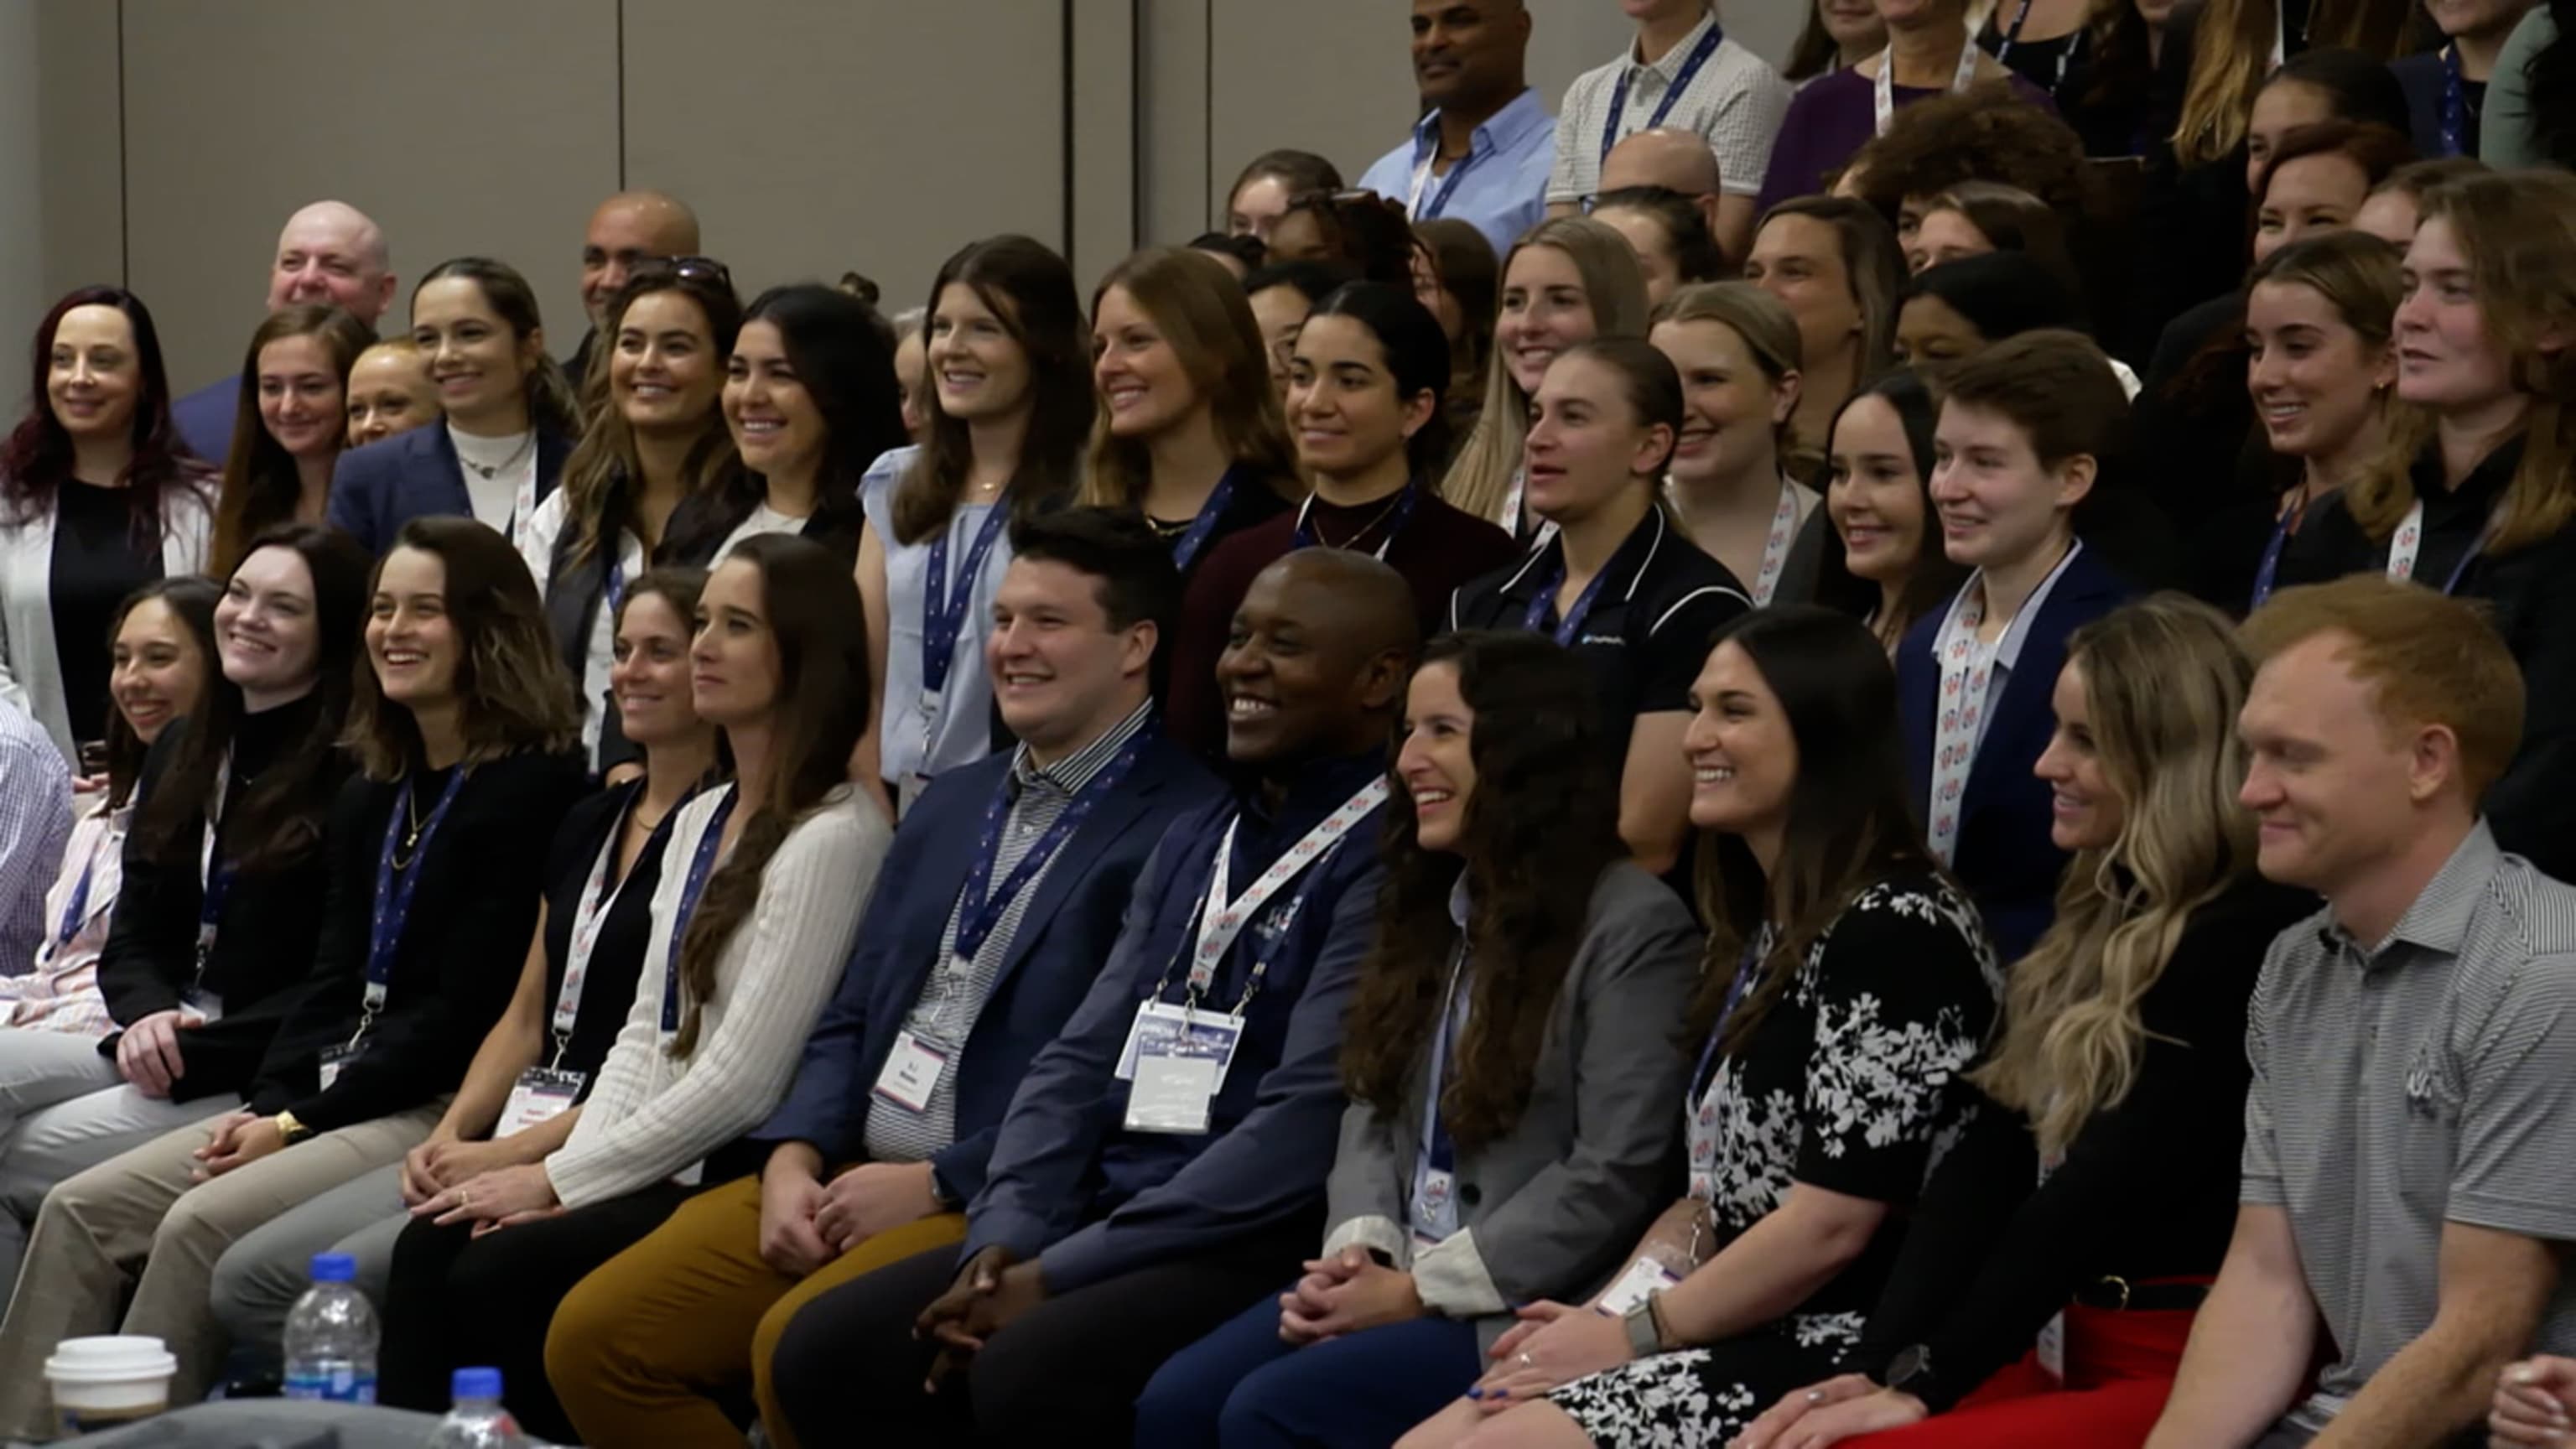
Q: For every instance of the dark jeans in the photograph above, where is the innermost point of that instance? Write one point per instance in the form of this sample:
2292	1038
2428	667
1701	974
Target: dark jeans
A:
458	1301
1066	1372
1244	1387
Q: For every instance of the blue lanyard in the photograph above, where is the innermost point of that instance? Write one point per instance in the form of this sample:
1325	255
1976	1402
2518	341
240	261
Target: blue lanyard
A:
1745	970
1203	527
394	887
1698	57
1436	1144
2455	103
944	601
701	862
2271	565
616	586
78	911
1406	499
982	904
1571	625
1439	202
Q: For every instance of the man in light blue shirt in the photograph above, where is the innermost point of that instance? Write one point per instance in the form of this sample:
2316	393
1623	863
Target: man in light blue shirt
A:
1483	148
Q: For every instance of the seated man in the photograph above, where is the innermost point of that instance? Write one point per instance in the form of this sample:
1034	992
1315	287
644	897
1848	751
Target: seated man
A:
1001	898
35	823
2412	1121
1162	1166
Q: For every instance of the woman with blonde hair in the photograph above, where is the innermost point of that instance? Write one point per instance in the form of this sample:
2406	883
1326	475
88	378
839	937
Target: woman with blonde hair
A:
1570	280
2099	1178
288	430
1190	431
1737	350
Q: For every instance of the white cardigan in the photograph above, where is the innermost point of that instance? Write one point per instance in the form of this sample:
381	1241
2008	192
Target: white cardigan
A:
653	1116
31	674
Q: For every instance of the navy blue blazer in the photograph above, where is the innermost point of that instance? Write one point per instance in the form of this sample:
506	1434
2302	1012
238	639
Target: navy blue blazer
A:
1066	934
1069	1185
204	418
2004	857
377	489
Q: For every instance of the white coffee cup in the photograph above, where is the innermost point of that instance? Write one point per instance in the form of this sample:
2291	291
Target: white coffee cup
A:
99	1383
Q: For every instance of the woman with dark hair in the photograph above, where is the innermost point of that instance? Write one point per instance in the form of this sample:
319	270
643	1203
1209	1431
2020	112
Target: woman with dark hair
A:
2530	112
809	402
1616	581
1456	275
1370	367
763	884
1839	34
97	498
1239	255
462	724
1509	1061
1670	234
1847	982
1011	411
1282	294
1976	217
1359	230
660	440
163	645
1833	262
1259	197
510	417
1883	562
1960	308
540	1062
290	427
214	927
1190	433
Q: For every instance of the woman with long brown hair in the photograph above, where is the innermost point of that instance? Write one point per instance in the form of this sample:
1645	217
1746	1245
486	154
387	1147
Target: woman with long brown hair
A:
290	427
762	885
1509	1060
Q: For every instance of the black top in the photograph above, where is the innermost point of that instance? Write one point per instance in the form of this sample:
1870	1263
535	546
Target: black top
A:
265	942
459	955
95	565
2425	81
2147	1191
1647	633
2530	596
608	988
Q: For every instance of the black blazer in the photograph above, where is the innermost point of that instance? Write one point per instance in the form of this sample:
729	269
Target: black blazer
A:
377	489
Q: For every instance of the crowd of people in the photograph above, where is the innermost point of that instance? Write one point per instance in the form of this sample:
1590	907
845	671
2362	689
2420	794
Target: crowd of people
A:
1794	852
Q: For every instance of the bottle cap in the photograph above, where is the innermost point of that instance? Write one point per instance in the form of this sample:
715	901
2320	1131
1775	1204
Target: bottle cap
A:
476	1383
334	1268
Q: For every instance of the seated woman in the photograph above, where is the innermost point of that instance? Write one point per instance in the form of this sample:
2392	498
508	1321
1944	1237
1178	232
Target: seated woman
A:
1616	582
1834	264
1883	562
1737	350
1457	276
390	392
462	725
752	919
1961	308
163	652
1977	217
214	928
657	438
1848	982
2098	1176
1670	234
1510	1060
288	432
539	1063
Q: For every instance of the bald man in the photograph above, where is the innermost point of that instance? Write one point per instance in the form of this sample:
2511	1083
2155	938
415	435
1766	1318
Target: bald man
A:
1482	150
1667	156
628	229
329	252
1161	1167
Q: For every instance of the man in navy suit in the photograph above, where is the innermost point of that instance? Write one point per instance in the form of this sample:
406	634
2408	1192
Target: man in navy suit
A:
1001	899
330	252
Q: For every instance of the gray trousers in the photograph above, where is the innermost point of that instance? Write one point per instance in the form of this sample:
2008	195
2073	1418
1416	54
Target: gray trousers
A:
258	1279
64	1108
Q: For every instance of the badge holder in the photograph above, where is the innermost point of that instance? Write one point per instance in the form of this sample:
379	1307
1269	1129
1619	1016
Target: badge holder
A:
336	1058
1175	1065
540	1095
911	1074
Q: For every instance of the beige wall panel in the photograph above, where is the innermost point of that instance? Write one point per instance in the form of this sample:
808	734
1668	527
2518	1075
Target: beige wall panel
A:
1172	119
867	135
462	126
1105	152
79	210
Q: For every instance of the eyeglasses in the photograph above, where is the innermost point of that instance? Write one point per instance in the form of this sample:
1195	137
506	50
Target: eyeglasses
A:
688	269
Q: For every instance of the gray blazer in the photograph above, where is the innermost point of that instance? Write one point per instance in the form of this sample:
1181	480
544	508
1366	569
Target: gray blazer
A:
1550	1210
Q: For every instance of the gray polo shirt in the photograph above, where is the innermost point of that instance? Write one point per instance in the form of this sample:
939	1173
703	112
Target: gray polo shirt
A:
2429	1078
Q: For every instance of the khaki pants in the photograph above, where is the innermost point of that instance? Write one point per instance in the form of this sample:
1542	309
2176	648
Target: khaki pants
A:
639	1352
137	1218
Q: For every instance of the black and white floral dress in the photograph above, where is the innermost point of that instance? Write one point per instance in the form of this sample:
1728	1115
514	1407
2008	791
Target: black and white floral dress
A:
1845	1086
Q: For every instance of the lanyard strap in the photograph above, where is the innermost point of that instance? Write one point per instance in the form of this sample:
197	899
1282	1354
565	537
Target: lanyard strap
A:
590	913
1775	544
1747	967
1394	519
981	906
76	914
1413	205
1569	627
702	861
1222	916
1203	526
214	886
944	600
2455	103
394	887
2408	541
1884	101
1698	57
1967	669
1437	1148
2269	569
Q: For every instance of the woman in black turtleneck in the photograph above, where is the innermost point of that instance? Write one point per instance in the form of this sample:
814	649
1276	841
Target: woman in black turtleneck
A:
198	993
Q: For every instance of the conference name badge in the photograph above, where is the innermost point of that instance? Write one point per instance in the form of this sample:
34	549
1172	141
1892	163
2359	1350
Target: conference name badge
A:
1175	1064
539	1095
911	1073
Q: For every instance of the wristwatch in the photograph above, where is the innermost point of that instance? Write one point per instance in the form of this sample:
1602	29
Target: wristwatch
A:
1910	1372
1645	1334
290	1131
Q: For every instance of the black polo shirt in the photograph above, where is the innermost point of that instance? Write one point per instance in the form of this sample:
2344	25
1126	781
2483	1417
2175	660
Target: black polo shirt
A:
1648	631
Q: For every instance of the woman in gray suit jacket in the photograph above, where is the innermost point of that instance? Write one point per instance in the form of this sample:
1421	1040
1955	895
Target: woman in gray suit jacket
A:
1513	1058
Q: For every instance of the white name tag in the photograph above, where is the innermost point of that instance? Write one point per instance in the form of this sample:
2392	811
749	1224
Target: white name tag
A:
1175	1086
1163	1027
538	1096
335	1058
911	1073
206	1005
2052	1348
1435	1205
1644	1279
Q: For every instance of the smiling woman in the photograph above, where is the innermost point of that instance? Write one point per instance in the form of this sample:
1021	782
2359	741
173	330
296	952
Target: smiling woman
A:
289	432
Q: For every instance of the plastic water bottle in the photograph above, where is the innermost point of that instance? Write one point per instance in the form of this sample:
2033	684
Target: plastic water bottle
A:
331	1337
478	1421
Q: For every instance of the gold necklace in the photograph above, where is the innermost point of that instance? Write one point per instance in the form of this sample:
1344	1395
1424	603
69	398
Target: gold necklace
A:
410	848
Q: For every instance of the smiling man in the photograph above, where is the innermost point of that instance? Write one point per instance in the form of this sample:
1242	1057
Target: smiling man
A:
329	253
1482	149
628	230
1162	1164
2412	1116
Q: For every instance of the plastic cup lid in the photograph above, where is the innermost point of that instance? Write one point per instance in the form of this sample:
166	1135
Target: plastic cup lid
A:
110	1358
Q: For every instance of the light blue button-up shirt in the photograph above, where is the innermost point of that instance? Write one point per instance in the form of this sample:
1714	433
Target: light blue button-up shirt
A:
1501	186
